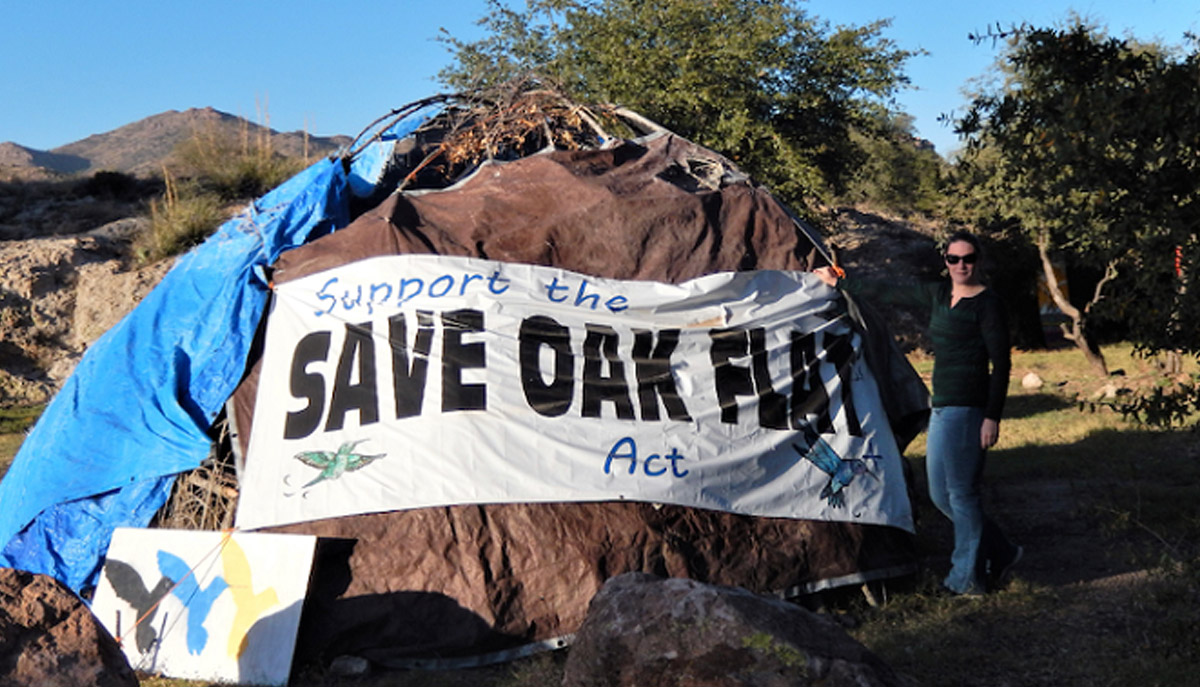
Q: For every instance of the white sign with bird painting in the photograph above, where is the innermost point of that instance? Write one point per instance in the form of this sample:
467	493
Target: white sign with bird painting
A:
411	381
220	606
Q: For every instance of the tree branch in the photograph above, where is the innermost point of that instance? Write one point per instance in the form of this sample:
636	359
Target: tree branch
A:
1052	285
1110	273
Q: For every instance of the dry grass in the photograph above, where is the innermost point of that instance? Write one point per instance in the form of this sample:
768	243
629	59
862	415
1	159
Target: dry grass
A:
182	218
542	670
1029	635
235	168
220	173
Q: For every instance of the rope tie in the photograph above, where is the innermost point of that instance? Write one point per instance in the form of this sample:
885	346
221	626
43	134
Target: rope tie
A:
226	535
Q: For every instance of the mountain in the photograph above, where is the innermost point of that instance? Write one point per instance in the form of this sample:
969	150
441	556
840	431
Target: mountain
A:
18	156
143	147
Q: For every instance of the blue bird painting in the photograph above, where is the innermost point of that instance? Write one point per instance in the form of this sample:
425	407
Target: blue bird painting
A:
333	464
196	599
841	471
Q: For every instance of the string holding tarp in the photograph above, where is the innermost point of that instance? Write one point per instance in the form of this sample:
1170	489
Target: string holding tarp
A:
226	536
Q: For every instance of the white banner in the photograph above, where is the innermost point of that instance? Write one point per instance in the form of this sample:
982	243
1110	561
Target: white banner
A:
411	381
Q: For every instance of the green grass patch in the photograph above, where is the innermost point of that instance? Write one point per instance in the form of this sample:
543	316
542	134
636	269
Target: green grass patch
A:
14	422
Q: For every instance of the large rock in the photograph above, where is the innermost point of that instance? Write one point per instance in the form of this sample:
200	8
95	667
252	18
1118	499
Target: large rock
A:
653	632
49	638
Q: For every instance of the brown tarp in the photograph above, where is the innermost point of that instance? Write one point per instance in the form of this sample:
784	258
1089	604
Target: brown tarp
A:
471	579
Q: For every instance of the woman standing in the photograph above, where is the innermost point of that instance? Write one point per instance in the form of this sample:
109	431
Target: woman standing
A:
971	365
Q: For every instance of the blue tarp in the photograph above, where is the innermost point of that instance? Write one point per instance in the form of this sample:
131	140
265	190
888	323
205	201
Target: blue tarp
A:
139	406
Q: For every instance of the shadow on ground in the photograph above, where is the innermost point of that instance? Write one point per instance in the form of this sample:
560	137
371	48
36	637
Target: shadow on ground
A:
1096	508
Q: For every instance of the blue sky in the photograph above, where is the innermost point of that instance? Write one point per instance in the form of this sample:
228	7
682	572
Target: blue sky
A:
71	68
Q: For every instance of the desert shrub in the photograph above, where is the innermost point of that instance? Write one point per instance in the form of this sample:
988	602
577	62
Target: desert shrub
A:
112	186
234	169
35	208
1166	405
217	167
17	195
184	216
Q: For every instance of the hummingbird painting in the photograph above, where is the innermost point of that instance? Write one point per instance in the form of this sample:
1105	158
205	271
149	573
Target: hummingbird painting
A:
333	464
841	471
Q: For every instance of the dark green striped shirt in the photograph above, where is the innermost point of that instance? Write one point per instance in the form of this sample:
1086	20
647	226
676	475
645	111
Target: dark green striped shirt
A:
970	341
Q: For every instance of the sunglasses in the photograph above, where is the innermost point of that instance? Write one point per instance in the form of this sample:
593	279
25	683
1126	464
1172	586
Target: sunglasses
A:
969	258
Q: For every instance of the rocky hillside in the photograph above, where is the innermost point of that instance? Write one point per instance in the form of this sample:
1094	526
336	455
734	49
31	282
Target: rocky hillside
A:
57	295
40	205
67	220
142	147
19	162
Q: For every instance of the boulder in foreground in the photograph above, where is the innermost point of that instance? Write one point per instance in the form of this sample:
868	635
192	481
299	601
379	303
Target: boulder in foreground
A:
49	638
653	632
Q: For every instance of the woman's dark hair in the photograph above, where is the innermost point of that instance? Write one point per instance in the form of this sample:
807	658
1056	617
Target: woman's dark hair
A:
966	236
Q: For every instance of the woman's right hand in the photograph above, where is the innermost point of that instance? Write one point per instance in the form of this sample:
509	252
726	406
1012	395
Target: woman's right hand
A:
827	275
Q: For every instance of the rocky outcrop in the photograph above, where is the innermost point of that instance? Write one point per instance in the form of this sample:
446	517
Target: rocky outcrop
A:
654	632
49	638
877	248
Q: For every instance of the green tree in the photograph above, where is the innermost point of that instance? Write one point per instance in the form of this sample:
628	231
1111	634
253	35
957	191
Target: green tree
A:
901	173
759	81
1093	146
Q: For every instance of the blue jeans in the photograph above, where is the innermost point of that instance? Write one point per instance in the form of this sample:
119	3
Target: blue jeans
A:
954	464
